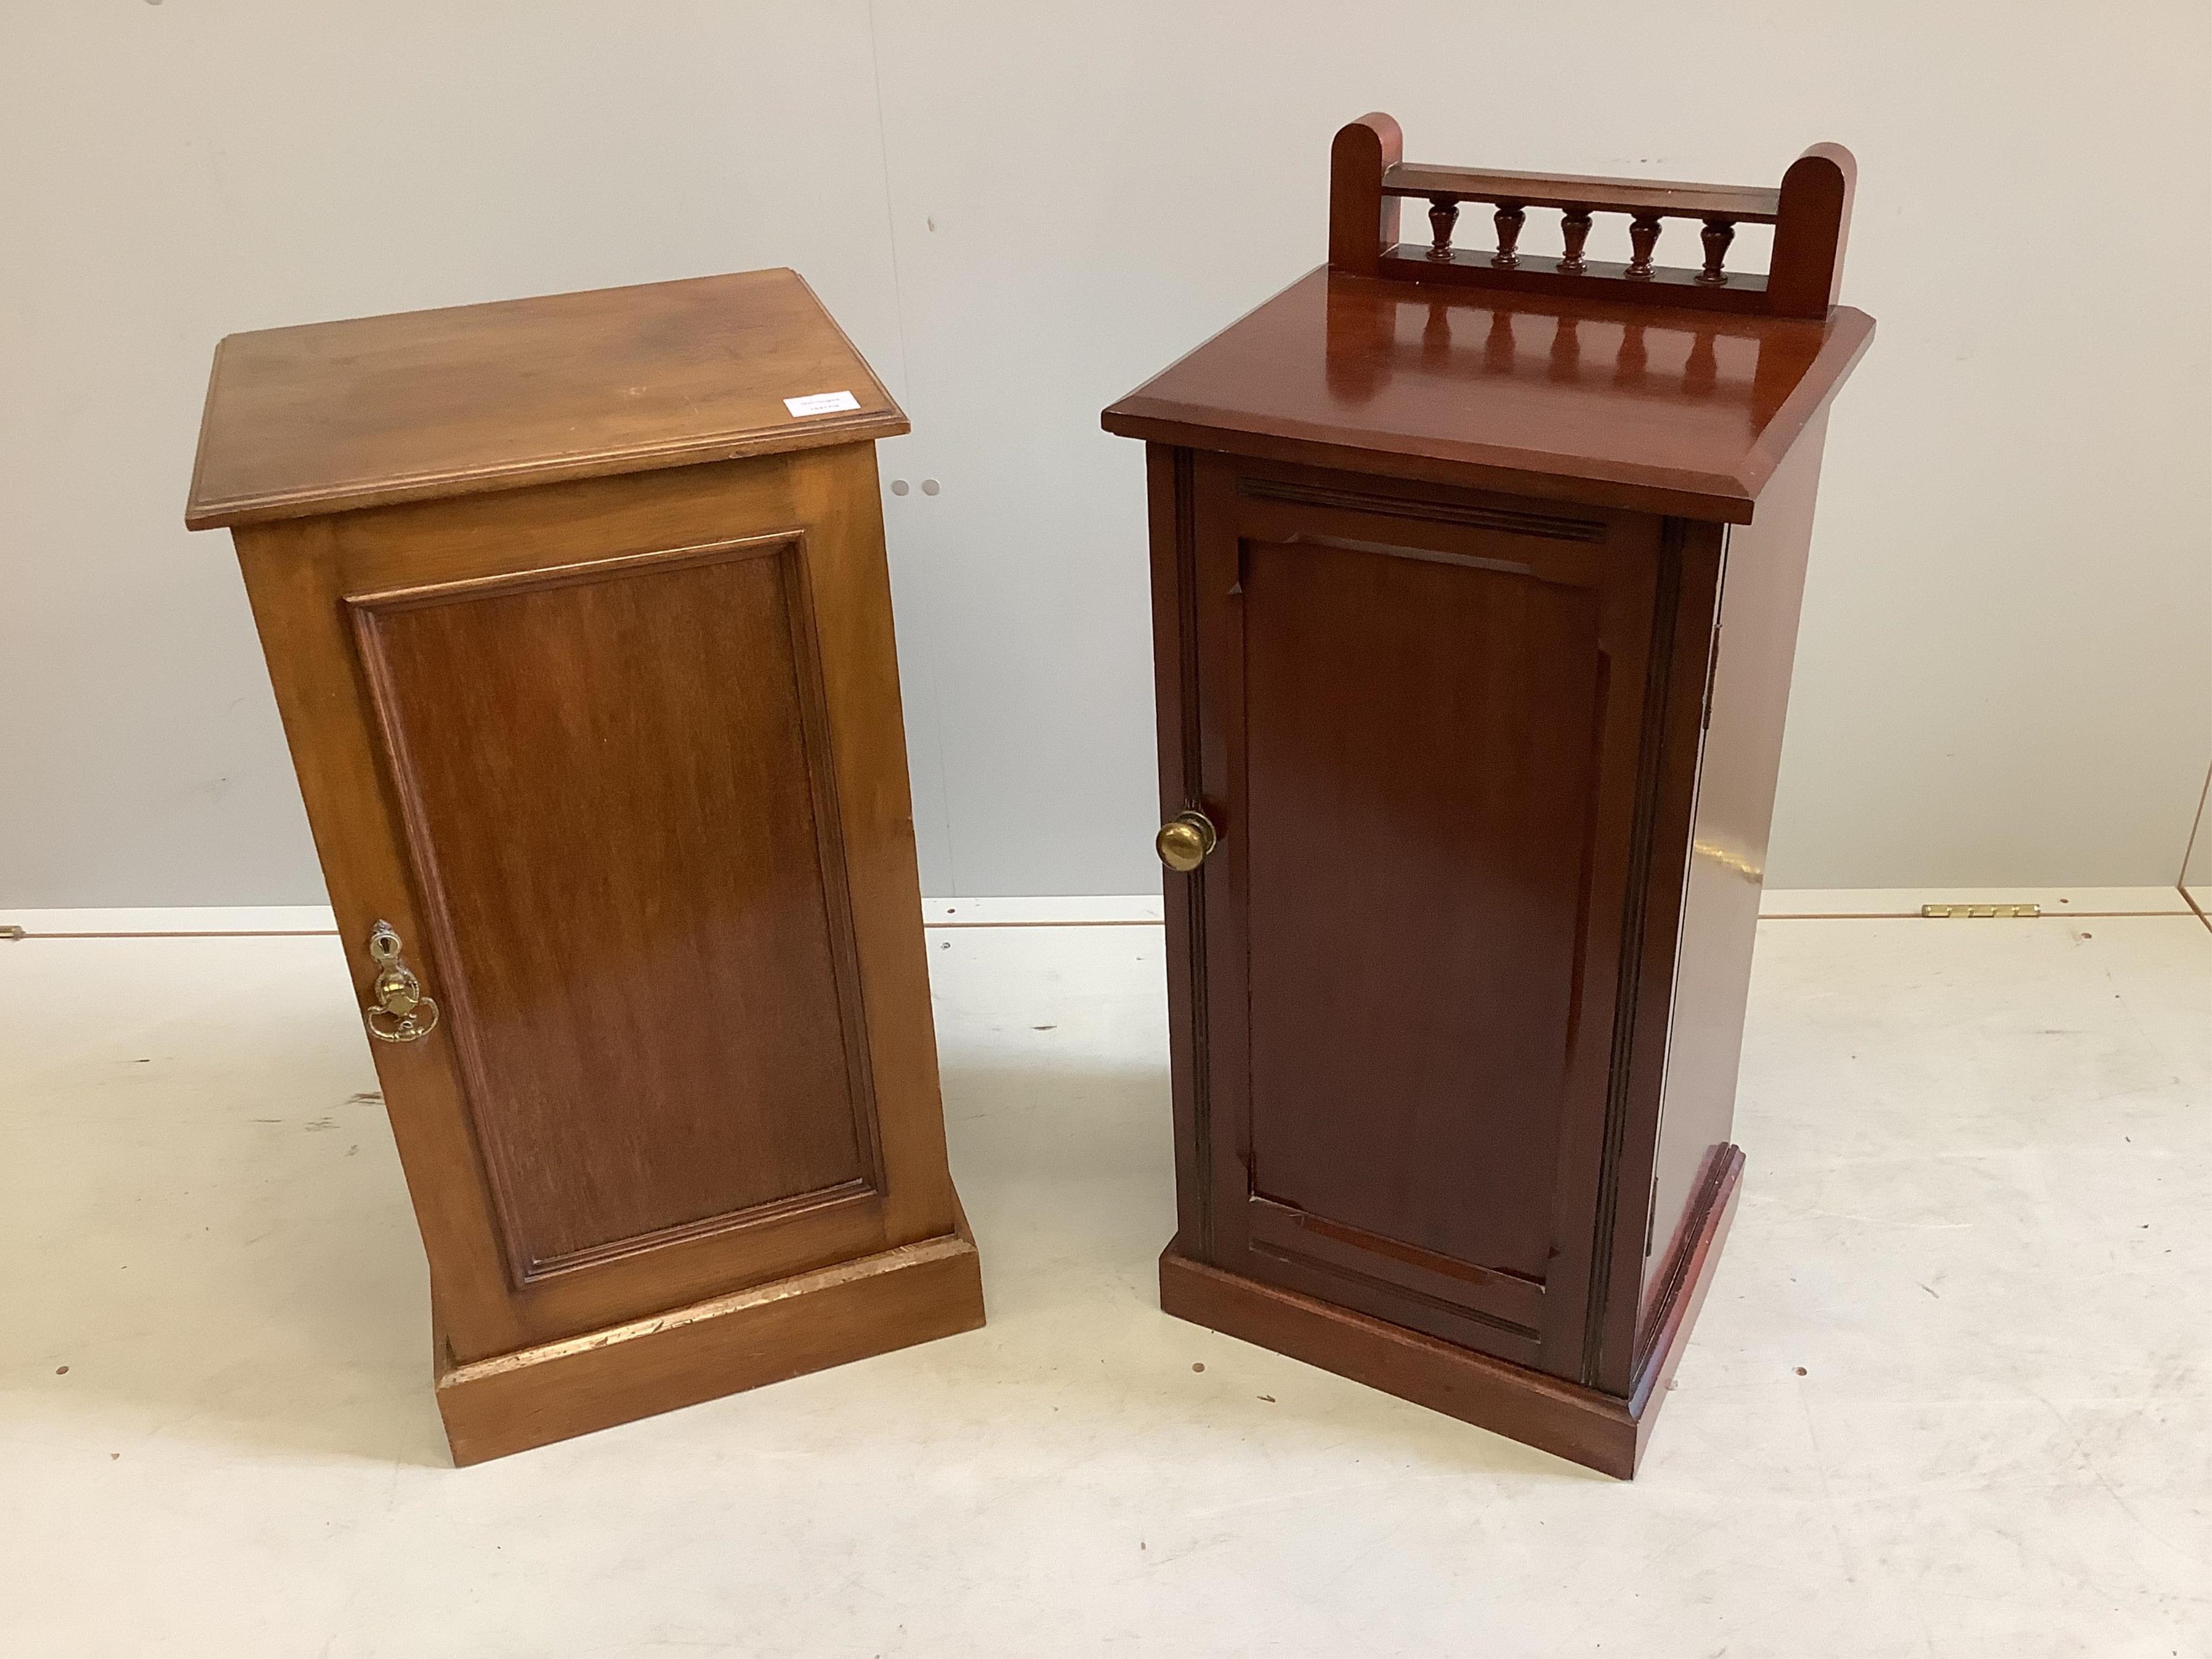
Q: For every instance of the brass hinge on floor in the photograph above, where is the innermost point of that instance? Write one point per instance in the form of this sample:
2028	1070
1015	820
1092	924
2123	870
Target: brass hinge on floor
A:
1977	912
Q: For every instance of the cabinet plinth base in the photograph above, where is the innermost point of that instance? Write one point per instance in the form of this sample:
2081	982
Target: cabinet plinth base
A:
1598	1431
808	1323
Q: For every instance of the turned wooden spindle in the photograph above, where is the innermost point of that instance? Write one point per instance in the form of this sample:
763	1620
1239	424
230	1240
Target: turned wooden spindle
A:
1508	220
1443	213
1574	231
1716	236
1643	238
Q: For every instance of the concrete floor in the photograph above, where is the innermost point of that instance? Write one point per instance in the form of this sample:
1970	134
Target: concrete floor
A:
1952	1395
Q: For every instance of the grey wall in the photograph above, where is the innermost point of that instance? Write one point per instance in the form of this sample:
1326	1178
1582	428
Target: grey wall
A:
1020	211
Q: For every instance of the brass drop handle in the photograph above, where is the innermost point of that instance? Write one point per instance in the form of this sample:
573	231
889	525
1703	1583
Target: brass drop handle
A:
1185	839
400	1013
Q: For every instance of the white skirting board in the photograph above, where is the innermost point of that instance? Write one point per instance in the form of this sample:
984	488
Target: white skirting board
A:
1122	910
1093	910
183	920
1775	903
189	921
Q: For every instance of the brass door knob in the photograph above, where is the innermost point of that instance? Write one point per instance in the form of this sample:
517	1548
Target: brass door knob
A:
1185	839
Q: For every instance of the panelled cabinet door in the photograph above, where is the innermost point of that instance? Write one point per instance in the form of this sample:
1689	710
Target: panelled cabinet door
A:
1421	715
621	784
616	786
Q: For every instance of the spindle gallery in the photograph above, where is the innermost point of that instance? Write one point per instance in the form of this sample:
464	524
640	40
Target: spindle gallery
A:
1369	182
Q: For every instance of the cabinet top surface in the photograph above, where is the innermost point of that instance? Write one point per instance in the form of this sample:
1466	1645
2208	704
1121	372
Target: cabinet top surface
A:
330	416
1678	412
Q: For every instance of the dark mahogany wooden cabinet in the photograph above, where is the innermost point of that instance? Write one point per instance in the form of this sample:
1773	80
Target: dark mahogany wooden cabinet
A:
1476	578
577	615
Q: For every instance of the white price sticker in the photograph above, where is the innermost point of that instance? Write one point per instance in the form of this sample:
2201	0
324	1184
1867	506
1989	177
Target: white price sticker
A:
822	402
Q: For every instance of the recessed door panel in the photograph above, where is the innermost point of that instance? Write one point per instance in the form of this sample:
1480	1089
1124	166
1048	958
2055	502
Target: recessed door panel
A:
617	789
1421	752
1421	718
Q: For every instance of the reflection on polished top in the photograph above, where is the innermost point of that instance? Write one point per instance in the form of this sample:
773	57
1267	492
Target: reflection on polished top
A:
330	416
1669	411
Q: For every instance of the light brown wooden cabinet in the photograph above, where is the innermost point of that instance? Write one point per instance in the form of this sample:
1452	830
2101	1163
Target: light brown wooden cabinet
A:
581	635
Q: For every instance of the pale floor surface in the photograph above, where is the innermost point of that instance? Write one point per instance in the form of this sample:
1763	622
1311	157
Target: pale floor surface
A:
1952	1395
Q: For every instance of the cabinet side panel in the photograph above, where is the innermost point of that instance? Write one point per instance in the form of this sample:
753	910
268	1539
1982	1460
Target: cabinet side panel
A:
837	494
1760	596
